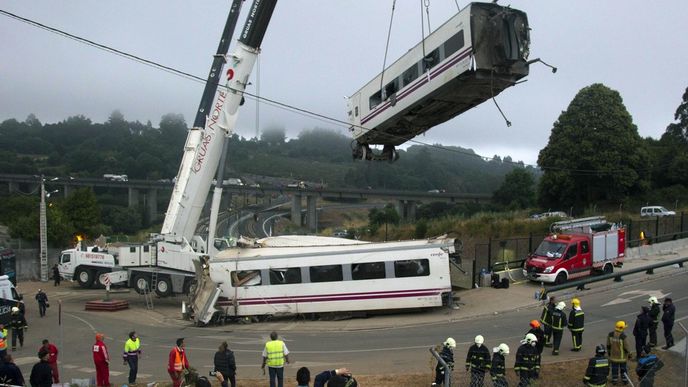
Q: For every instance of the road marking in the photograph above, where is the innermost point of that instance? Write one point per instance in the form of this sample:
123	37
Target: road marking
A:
630	295
87	370
69	366
25	360
82	320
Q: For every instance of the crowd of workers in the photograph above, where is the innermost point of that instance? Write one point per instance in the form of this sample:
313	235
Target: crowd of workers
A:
612	356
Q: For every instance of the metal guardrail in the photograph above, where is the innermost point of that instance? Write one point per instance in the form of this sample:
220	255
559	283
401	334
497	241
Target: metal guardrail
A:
447	370
649	269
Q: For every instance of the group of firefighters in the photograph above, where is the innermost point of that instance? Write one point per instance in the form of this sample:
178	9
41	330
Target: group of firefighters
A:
548	332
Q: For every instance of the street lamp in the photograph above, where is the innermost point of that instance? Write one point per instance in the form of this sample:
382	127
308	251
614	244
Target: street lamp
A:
43	223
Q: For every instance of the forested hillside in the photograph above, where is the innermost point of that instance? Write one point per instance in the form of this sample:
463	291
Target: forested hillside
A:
79	147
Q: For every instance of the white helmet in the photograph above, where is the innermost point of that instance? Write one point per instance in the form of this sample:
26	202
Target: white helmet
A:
653	300
15	309
530	339
561	305
451	343
479	339
504	349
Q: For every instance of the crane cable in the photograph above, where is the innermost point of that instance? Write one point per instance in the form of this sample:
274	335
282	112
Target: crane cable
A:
389	34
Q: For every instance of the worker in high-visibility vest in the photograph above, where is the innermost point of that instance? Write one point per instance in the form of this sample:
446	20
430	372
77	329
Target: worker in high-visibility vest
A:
576	325
177	363
275	354
132	350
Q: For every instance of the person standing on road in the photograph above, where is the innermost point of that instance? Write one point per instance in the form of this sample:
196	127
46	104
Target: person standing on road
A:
52	358
177	363
42	299
598	369
41	373
478	361
447	355
132	351
536	330
225	365
558	324
617	347
498	370
654	319
10	374
101	360
546	320
527	365
18	325
668	315
275	354
576	325
648	365
56	275
640	329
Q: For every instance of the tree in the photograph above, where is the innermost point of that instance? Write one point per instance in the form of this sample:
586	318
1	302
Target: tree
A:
387	215
83	211
274	135
517	191
594	152
671	158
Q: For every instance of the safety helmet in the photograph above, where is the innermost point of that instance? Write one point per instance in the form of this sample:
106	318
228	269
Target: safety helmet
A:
620	326
503	349
531	338
451	343
534	323
575	302
15	309
653	300
561	305
600	350
479	339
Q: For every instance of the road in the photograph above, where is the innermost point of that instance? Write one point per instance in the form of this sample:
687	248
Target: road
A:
402	344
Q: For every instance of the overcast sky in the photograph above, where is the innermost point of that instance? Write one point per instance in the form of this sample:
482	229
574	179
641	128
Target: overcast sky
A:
317	52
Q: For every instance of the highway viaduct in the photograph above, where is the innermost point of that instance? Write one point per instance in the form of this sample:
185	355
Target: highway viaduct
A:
406	202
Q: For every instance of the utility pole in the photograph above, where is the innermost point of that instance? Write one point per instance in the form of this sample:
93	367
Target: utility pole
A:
44	234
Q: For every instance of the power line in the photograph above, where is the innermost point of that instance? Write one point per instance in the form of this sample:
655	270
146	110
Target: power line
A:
285	106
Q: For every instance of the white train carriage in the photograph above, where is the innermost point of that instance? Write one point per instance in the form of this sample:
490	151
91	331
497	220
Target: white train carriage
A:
331	277
472	57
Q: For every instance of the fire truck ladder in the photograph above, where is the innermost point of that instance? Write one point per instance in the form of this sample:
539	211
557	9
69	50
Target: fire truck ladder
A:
578	224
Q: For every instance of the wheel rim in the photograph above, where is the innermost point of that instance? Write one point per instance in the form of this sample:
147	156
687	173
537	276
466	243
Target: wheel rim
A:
83	276
162	286
142	283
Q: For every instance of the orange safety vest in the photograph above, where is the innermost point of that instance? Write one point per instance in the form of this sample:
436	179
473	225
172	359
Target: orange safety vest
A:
178	363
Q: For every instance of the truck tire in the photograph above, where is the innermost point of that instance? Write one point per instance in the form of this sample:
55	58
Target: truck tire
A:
141	283
561	278
84	277
163	287
608	268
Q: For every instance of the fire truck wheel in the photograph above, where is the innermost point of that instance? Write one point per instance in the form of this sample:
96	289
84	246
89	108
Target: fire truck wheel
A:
163	287
84	277
561	278
608	268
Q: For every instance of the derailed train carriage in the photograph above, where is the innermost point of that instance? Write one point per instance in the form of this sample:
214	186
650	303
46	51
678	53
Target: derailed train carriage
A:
475	55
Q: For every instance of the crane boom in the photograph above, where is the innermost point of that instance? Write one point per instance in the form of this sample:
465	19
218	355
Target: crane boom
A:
200	150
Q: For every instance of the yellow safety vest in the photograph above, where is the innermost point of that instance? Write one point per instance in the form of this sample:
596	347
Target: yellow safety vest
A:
131	347
275	351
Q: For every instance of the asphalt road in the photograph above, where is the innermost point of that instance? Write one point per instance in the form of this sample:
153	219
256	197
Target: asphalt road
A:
365	351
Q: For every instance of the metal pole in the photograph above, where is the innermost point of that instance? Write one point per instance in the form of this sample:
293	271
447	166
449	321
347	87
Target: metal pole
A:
59	322
447	371
685	355
43	224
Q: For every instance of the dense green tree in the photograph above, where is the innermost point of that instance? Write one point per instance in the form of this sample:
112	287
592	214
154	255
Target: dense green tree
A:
83	211
273	135
123	220
517	191
594	153
671	151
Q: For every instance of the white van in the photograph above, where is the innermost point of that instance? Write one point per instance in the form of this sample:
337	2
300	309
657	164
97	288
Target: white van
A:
656	211
9	297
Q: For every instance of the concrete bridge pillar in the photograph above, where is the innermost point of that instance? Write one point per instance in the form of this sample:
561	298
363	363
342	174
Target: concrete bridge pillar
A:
67	189
133	197
311	213
296	209
406	210
152	204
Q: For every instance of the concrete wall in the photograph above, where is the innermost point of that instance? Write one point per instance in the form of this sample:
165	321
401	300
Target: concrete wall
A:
29	264
657	248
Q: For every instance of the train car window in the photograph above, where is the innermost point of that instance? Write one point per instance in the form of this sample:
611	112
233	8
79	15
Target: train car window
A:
367	270
412	268
410	75
391	88
375	99
132	249
432	59
326	273
246	278
356	111
146	248
285	276
454	44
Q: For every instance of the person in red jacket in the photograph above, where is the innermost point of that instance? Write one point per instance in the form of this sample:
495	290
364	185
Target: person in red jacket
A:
177	363
52	358
101	359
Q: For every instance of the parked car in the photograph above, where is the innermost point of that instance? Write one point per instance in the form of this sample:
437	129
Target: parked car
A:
655	211
552	214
